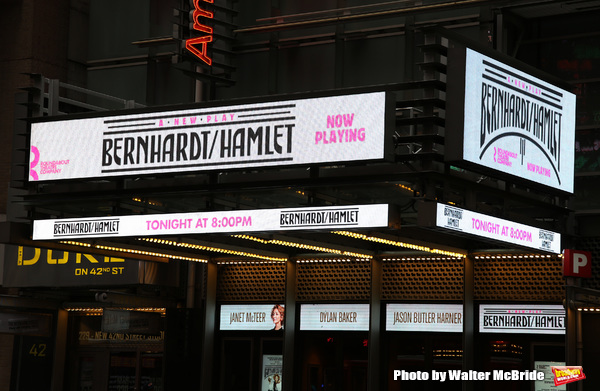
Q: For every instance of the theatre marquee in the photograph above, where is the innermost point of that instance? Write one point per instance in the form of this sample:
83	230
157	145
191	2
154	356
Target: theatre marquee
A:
505	121
267	134
255	220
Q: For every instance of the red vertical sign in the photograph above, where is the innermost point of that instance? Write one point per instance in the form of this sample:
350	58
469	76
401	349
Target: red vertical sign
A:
199	45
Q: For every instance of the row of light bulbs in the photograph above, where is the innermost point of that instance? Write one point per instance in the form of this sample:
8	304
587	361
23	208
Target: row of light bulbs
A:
220	250
99	310
132	251
588	309
302	246
420	259
358	256
396	243
509	256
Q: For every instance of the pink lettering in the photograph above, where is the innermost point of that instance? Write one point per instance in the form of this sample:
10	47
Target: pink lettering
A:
486	226
361	134
332	138
539	170
318	137
168	224
502	156
340	136
339	120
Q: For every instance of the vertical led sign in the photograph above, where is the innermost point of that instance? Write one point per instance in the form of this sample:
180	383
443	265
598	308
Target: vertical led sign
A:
199	45
509	121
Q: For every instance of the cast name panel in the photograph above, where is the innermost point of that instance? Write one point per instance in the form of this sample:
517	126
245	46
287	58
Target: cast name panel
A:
522	319
330	317
424	317
247	316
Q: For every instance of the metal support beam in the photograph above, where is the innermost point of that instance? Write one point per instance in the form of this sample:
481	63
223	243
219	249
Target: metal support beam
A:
210	309
468	320
288	381
571	332
374	370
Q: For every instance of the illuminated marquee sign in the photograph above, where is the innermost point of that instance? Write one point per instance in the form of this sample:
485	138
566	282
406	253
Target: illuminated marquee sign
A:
330	317
199	45
577	263
511	122
296	132
490	227
522	319
33	266
330	217
249	316
424	317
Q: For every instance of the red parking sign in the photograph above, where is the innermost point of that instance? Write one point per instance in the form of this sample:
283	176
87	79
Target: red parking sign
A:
577	263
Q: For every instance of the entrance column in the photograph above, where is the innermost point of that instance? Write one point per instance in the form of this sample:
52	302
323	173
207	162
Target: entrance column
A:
468	319
210	310
573	320
374	370
289	335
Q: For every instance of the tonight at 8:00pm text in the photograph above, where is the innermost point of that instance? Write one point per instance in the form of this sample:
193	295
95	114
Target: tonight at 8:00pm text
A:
203	222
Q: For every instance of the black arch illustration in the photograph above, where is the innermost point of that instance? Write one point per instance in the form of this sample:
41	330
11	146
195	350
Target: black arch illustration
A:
533	141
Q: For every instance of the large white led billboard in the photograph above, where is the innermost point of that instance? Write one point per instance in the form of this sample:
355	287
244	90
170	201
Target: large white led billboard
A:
522	319
294	132
494	228
509	121
326	217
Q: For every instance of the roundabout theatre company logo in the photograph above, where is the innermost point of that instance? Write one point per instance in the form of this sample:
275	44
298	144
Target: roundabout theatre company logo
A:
37	167
562	375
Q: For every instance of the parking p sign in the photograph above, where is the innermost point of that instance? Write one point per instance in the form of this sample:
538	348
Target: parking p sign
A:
577	263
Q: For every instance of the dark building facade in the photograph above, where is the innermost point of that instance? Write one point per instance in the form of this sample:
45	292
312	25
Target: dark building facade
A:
330	195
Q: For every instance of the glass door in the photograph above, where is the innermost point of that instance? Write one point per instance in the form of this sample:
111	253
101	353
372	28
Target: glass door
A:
122	371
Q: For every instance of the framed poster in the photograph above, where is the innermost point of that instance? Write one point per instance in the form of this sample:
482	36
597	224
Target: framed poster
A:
272	370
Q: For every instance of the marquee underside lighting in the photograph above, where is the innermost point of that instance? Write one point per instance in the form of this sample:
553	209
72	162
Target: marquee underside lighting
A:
397	243
220	250
304	246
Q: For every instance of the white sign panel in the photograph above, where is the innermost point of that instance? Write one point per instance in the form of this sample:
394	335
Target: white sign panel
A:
330	217
251	317
518	124
521	319
547	383
334	317
424	317
305	131
490	227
